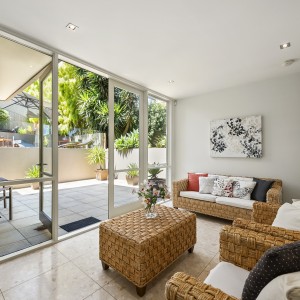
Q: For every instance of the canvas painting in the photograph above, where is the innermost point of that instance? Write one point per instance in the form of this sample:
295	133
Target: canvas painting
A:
236	137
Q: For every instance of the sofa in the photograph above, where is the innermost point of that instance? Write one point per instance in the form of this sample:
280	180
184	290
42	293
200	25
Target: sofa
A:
223	207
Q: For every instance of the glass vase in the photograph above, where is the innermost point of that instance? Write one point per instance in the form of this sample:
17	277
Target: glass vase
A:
150	212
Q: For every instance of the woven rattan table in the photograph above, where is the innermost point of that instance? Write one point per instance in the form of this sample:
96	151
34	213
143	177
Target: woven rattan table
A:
141	248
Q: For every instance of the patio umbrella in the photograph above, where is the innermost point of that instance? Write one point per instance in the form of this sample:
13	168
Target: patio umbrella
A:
31	103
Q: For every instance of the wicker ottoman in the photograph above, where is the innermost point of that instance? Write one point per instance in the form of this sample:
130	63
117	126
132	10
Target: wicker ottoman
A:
141	248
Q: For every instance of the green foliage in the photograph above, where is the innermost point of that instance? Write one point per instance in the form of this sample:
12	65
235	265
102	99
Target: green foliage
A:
128	141
68	99
154	170
157	123
4	115
133	170
22	130
162	143
34	89
130	109
33	172
96	156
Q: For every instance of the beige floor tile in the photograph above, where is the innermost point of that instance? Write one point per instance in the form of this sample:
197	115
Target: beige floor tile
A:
100	295
91	265
26	267
62	283
79	245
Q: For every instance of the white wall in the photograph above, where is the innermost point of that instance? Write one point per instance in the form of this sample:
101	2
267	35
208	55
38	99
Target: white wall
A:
277	100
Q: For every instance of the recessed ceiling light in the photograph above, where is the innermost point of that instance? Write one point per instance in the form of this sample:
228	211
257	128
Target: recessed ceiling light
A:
285	45
72	26
171	81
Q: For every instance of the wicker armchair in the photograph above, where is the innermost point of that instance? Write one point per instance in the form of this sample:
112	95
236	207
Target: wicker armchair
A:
247	240
185	287
241	244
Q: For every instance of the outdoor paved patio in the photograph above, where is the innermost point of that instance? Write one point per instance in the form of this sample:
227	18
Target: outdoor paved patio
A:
77	200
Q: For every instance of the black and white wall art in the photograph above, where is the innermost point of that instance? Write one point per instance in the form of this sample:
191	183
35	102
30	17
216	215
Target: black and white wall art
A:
236	137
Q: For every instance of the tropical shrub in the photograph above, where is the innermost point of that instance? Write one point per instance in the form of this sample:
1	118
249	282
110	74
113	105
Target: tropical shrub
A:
96	156
127	142
133	170
154	170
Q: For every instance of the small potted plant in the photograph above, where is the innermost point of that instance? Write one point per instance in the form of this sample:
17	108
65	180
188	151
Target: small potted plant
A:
96	156
132	176
34	172
153	171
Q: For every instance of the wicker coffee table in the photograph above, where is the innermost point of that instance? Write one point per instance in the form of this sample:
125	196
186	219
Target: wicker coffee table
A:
141	248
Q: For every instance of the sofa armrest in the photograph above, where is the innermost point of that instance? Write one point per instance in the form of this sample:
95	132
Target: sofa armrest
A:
264	213
244	247
274	194
178	186
185	287
287	234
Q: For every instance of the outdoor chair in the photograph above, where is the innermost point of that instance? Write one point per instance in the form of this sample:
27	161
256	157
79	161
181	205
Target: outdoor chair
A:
4	189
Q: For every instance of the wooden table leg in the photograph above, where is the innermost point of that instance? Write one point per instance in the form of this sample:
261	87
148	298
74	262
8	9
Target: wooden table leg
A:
104	265
141	290
10	203
191	249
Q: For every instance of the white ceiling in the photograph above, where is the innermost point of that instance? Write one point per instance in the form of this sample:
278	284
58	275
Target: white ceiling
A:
201	45
18	64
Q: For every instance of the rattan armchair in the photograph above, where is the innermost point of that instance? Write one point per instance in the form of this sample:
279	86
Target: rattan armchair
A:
242	244
246	240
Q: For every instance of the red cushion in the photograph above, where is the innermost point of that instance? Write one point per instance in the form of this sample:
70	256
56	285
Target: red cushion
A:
193	184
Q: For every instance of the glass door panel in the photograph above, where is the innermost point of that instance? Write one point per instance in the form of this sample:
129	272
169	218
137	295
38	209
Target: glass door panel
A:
157	141
127	113
45	142
82	147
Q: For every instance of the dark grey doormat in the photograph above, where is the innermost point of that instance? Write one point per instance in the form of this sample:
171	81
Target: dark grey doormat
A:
79	224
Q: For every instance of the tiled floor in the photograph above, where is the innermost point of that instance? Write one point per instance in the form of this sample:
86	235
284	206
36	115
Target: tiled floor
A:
71	269
77	200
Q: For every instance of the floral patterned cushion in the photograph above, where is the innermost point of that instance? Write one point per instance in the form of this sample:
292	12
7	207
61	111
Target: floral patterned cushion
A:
243	189
223	187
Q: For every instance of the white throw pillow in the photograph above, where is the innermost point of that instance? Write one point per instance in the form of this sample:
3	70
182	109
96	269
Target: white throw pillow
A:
206	185
243	189
288	217
236	178
283	287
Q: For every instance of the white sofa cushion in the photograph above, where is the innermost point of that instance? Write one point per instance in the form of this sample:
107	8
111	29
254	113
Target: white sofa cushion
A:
237	202
283	287
288	217
198	196
228	278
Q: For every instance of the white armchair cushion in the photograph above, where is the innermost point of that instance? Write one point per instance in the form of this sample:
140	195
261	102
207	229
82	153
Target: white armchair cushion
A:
288	217
283	287
228	278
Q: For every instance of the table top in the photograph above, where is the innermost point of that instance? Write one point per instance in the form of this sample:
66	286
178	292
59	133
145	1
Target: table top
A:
134	225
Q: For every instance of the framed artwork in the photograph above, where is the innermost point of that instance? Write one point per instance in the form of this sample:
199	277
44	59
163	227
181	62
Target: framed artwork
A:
236	137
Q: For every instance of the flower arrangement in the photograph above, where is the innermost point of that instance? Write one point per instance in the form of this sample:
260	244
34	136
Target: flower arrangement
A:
150	193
